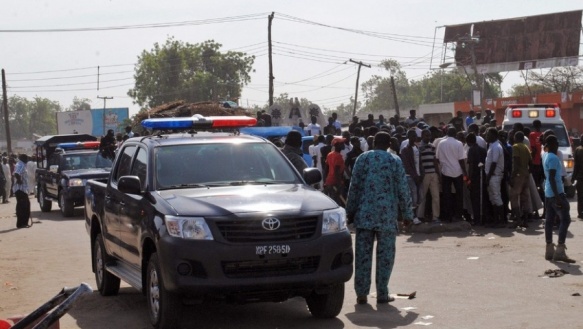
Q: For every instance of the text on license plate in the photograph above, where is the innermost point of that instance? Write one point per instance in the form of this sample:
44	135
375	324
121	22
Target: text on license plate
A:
272	249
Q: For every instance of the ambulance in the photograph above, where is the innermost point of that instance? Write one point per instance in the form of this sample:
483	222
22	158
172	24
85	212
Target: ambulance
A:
549	115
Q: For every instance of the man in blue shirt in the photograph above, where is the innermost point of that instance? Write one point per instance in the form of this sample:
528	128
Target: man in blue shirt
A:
378	194
556	203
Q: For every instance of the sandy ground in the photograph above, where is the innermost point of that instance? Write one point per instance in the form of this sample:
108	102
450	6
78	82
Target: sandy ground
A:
483	279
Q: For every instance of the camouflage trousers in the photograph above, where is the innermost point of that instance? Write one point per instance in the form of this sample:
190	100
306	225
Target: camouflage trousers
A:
385	258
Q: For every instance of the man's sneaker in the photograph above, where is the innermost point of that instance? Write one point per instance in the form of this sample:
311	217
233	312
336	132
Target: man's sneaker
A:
416	221
436	220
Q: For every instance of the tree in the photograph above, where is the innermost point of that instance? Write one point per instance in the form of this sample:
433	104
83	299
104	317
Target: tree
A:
558	79
28	117
190	72
79	104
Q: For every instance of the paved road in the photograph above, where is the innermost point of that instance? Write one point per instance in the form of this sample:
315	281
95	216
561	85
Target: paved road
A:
483	279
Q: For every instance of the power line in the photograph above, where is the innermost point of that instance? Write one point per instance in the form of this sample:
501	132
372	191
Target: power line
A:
144	26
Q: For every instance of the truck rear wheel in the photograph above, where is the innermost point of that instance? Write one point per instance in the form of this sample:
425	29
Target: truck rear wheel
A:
164	307
45	205
107	283
327	305
66	205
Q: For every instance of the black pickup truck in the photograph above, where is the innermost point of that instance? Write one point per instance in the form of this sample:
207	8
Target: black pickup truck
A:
194	217
64	164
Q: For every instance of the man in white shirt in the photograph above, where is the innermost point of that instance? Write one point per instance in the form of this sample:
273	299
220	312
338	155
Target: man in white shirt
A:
494	173
8	176
314	128
317	155
31	169
451	157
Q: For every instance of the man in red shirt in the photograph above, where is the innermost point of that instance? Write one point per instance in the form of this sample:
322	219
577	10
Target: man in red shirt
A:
333	185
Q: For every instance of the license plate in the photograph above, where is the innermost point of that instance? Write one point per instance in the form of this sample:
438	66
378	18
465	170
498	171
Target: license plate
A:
272	249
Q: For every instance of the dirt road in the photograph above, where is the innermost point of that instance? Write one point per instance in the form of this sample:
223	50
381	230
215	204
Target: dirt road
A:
485	279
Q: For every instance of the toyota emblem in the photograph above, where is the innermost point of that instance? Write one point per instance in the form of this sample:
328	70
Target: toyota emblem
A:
271	224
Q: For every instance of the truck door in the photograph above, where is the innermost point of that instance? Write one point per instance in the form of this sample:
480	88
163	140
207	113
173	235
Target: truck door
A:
133	211
51	179
112	205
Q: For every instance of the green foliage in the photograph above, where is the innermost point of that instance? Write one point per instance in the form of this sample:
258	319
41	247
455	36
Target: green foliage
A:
190	72
79	104
26	117
435	87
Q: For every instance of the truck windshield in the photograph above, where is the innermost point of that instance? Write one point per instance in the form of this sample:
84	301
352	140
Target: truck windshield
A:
558	128
221	164
84	161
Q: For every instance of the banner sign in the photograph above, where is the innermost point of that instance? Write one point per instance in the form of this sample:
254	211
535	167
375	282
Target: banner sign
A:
93	122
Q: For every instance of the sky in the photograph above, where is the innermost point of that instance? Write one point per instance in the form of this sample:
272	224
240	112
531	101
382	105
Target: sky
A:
313	42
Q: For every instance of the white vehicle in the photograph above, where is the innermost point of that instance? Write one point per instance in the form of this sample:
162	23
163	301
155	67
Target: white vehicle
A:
549	115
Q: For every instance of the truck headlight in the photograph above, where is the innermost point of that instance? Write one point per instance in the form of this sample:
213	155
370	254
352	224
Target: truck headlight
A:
75	182
334	221
569	163
194	228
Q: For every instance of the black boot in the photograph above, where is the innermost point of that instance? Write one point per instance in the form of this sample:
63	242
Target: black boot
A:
499	220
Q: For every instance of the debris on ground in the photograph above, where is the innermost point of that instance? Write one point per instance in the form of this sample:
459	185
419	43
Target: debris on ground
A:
576	294
554	273
408	296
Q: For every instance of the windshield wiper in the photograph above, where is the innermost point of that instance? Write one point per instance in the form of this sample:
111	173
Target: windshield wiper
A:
184	186
254	182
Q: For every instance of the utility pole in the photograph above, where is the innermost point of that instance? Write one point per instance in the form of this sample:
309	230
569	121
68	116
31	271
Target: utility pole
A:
5	106
397	112
471	41
105	98
360	64
270	19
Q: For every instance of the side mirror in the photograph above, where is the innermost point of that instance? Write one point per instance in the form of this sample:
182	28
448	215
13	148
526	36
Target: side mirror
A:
312	175
129	185
54	168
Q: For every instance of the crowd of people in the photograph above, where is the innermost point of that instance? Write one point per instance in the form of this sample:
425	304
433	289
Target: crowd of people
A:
468	169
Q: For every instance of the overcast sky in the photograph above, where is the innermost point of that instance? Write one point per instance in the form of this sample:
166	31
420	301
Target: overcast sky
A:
312	40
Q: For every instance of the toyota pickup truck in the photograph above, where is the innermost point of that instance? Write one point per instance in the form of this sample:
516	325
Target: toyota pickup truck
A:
64	164
203	216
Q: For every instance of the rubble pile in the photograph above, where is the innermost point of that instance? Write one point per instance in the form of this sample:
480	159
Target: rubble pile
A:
183	109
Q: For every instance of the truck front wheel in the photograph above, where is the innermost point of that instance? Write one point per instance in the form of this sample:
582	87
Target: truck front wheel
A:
45	205
66	205
164	307
107	283
327	305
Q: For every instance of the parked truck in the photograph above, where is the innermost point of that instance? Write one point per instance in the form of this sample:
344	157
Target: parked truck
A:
64	164
215	216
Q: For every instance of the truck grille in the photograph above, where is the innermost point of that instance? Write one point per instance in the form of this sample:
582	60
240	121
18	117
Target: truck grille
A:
291	229
270	267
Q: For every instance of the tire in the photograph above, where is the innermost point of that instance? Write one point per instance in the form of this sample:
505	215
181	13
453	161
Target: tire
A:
327	305
164	308
66	205
45	205
107	283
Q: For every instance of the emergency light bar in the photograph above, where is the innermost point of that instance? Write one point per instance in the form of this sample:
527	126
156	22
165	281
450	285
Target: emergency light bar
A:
198	121
78	145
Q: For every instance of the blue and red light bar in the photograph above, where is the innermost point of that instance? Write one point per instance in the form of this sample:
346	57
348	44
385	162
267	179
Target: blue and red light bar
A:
200	122
78	145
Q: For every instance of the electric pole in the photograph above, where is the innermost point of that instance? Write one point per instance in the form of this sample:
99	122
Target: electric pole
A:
360	64
395	97
270	19
5	106
105	98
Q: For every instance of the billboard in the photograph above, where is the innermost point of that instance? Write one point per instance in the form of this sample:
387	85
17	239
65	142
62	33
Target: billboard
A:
541	41
93	122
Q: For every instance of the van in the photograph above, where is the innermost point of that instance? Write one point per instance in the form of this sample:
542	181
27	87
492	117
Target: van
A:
549	115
